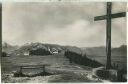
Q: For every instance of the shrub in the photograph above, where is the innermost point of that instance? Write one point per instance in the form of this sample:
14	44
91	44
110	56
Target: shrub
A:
4	54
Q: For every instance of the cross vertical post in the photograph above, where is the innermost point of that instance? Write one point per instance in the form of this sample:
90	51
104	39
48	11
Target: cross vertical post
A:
108	36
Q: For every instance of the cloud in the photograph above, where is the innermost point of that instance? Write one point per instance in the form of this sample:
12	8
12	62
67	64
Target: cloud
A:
63	23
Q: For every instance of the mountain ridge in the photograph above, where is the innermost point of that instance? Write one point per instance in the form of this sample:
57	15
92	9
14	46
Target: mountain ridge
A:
95	51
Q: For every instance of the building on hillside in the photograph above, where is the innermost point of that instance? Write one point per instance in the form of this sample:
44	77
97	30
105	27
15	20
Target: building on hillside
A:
54	51
26	53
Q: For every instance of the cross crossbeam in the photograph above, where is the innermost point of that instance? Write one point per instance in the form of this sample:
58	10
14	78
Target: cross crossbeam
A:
122	14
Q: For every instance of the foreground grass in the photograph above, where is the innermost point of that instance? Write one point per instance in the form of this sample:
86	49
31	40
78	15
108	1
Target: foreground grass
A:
61	68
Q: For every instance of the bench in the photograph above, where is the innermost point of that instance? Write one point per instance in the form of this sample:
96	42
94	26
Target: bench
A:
33	67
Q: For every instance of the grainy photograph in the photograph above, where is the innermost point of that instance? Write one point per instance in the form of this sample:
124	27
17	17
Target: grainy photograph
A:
64	42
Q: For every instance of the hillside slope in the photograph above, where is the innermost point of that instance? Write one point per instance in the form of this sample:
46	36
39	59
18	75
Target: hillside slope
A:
34	46
101	51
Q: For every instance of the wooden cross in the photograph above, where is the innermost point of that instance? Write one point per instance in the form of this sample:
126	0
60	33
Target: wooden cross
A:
108	17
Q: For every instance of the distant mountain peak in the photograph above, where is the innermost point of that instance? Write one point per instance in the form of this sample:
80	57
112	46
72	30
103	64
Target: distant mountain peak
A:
5	44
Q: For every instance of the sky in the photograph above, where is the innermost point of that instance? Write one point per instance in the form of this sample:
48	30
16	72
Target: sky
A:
61	23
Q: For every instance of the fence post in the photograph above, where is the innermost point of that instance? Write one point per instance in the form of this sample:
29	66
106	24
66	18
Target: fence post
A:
20	69
44	68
